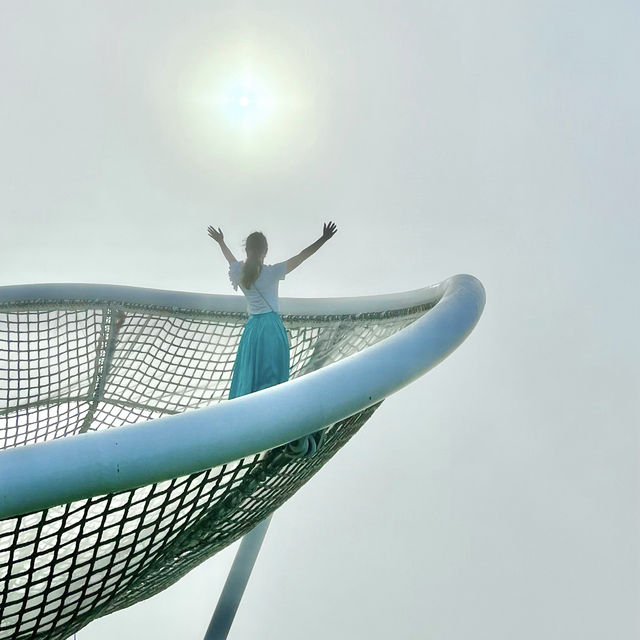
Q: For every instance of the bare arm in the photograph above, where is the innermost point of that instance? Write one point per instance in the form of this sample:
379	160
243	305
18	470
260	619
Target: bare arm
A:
218	236
327	232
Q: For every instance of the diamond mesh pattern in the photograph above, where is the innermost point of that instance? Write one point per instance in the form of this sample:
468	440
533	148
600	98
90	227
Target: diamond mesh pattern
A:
83	366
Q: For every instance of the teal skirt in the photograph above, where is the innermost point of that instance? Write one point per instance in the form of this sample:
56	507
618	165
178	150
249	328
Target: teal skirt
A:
263	361
263	355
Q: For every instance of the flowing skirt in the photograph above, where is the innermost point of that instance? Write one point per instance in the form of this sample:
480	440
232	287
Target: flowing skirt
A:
263	361
263	355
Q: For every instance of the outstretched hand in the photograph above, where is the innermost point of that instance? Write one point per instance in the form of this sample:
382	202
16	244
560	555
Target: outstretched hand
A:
216	234
328	230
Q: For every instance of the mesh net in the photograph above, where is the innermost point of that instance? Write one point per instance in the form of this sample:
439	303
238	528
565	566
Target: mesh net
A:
77	366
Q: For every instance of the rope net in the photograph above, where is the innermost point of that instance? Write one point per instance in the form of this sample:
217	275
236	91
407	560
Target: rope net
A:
78	366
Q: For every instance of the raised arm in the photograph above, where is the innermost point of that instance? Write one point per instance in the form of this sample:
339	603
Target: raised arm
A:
218	236
327	232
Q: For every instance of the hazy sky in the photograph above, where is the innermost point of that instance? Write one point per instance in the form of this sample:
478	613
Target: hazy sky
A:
495	498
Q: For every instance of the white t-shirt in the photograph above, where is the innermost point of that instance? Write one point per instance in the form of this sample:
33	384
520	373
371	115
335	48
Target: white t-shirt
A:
266	284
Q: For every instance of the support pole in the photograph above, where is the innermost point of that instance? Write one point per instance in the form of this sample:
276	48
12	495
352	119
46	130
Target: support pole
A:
236	582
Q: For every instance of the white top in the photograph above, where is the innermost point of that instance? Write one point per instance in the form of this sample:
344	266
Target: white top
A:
264	291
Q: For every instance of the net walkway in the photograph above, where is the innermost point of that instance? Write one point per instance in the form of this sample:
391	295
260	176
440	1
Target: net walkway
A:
76	366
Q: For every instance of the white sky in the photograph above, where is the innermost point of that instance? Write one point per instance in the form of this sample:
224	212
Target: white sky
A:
495	498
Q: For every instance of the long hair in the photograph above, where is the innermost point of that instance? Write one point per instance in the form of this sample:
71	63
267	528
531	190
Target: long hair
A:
255	245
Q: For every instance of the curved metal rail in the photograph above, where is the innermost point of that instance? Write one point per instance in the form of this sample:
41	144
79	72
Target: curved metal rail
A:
38	476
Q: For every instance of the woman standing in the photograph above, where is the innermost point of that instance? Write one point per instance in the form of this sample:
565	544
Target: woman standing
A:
263	353
262	361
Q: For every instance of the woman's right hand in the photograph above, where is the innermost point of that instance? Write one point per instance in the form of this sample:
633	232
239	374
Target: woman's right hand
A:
216	234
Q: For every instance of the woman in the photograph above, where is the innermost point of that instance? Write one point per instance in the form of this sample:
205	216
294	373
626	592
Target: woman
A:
263	353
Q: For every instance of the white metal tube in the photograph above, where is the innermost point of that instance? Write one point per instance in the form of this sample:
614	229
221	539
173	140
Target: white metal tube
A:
116	294
43	475
236	582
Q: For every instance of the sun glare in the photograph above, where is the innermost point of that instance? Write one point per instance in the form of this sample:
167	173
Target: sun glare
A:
247	103
245	106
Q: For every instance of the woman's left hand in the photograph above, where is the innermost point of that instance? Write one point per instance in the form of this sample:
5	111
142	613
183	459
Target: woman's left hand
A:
216	234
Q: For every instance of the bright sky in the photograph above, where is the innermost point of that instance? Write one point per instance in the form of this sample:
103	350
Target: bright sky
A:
497	497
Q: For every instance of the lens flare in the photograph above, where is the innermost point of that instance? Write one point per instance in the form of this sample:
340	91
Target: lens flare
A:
247	103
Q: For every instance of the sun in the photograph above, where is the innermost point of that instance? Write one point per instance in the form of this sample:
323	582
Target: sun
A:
246	106
247	102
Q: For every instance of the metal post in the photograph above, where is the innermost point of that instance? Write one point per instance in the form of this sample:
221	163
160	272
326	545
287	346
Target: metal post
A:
236	582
